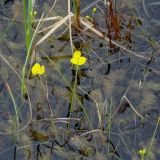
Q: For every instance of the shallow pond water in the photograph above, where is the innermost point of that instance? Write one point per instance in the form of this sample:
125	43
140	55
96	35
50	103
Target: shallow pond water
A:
112	114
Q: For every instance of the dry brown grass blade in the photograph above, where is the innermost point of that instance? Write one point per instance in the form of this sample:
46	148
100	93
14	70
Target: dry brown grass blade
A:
56	26
133	107
70	27
46	28
48	19
97	106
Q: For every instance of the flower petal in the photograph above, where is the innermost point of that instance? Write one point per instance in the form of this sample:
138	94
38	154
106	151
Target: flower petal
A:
81	60
74	60
37	69
78	61
42	70
76	54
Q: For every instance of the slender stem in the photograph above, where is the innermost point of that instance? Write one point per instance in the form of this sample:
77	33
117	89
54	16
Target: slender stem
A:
75	7
152	140
74	91
23	86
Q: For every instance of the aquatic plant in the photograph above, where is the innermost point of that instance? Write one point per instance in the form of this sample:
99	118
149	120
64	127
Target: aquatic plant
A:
88	17
28	17
94	10
78	93
142	153
29	37
37	69
77	59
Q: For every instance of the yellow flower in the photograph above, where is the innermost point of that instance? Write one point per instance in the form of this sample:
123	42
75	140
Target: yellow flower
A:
38	69
142	152
94	9
77	59
35	13
88	17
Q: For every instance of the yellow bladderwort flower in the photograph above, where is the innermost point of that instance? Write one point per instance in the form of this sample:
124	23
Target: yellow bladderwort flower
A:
142	152
77	59
88	17
35	13
94	10
37	69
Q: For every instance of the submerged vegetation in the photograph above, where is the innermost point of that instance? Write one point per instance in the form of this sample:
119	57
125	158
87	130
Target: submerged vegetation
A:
79	80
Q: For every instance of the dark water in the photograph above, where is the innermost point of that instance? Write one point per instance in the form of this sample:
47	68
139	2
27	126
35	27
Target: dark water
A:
122	86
